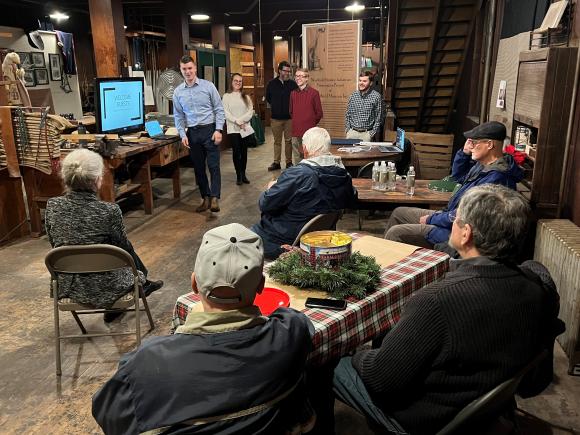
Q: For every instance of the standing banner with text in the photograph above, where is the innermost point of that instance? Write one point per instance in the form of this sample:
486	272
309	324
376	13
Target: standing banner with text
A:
331	51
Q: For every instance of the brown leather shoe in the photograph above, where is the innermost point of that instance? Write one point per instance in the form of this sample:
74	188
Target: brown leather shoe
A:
215	206
203	206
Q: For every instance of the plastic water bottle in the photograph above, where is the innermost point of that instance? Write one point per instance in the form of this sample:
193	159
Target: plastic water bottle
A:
392	177
411	181
375	182
383	176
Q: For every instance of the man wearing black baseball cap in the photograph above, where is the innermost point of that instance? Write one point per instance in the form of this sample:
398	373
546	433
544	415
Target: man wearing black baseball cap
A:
481	161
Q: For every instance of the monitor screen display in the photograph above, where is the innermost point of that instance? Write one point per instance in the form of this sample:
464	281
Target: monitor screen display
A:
120	105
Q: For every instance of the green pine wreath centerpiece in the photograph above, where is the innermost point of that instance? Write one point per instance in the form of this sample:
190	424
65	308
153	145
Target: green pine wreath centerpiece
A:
355	275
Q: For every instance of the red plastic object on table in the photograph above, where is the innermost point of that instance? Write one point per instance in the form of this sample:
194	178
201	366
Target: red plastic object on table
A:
270	299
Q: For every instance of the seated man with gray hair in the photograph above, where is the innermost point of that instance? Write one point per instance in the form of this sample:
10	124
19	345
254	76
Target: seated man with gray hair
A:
228	369
80	218
481	161
318	184
462	336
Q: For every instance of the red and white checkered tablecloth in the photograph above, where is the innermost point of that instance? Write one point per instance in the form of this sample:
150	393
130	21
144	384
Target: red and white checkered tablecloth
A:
339	332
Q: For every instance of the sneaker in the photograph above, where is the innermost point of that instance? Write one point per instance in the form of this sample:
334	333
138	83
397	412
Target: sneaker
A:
274	166
203	206
215	205
112	315
151	286
289	165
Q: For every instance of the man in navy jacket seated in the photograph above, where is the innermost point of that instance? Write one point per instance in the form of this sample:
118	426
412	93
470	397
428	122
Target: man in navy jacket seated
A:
318	184
228	369
481	161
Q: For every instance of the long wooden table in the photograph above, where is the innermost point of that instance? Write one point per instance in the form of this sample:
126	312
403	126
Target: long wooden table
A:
423	195
143	156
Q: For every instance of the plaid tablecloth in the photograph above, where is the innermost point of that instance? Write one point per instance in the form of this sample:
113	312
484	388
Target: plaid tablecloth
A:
339	332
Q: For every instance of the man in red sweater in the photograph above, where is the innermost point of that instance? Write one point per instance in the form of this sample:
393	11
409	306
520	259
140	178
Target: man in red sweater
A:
305	111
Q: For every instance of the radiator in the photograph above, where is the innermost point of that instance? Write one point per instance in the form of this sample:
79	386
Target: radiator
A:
558	248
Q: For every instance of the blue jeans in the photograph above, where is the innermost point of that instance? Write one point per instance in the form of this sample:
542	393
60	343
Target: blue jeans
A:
202	149
349	388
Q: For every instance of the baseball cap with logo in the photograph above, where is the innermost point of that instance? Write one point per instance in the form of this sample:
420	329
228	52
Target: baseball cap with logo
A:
229	256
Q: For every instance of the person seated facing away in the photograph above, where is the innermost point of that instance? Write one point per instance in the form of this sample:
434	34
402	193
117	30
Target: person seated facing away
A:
228	369
481	161
318	184
462	336
79	218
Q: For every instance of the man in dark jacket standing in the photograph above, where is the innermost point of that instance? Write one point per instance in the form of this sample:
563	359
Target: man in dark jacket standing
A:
460	337
278	97
318	184
228	369
481	161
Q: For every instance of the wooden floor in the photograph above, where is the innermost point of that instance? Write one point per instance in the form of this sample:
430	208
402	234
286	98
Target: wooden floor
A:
34	400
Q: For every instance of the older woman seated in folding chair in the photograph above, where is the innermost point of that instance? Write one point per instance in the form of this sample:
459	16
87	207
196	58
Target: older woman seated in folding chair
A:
319	184
79	218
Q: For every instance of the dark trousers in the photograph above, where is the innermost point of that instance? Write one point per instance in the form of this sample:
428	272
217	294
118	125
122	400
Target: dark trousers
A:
349	388
202	149
239	152
138	263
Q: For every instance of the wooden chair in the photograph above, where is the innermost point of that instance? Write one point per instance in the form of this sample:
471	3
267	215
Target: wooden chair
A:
491	405
432	153
92	259
320	222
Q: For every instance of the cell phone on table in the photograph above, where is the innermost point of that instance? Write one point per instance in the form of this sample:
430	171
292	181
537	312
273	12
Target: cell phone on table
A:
329	304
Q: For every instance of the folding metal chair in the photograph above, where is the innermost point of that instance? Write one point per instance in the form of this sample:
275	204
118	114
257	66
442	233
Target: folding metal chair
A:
81	259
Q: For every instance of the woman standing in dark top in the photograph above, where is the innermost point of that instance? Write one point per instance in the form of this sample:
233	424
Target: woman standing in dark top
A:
79	218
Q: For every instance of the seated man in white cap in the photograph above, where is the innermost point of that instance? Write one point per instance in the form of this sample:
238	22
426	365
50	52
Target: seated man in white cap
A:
228	369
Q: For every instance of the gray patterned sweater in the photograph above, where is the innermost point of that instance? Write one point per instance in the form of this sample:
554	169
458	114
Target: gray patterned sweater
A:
79	218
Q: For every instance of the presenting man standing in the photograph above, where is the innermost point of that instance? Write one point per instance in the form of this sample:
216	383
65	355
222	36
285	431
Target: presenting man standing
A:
305	110
364	111
278	97
199	118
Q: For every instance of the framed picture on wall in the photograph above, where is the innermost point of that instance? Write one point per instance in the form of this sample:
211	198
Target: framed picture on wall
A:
29	79
54	63
37	59
25	60
41	76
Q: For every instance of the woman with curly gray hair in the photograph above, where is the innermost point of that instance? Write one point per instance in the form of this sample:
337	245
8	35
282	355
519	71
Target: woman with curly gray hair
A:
80	218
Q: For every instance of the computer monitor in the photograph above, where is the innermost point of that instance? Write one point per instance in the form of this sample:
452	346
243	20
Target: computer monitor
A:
119	104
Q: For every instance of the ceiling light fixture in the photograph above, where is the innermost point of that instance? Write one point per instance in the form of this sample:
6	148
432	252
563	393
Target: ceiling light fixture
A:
236	28
355	7
200	17
124	27
277	38
58	16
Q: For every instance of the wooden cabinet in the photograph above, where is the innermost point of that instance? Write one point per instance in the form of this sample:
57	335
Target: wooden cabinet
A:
542	104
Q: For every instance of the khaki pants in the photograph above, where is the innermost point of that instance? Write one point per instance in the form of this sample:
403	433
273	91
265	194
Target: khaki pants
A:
297	154
404	227
364	136
279	127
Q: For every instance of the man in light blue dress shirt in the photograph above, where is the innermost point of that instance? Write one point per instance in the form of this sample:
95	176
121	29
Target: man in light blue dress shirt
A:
199	118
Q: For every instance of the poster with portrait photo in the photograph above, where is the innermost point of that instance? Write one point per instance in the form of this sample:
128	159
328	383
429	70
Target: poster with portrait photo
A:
37	59
29	79
54	64
41	76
